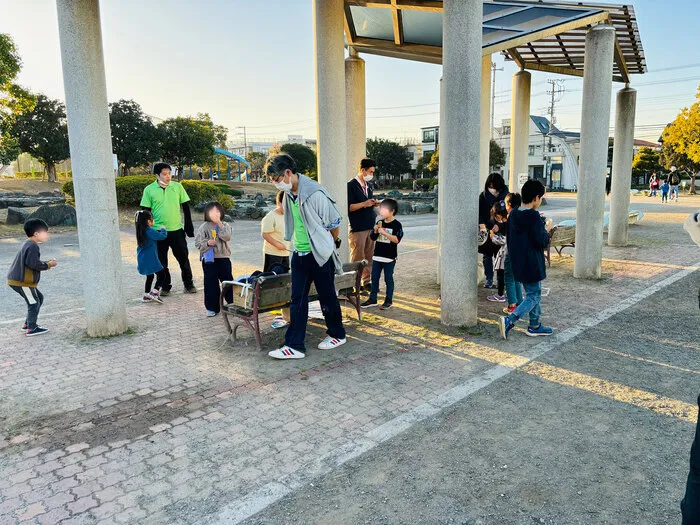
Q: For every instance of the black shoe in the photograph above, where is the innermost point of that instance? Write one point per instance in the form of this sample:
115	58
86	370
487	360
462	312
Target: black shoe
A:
386	305
164	293
25	327
190	289
37	331
369	303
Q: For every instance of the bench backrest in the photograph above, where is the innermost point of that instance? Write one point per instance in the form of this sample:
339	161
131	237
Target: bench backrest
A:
562	235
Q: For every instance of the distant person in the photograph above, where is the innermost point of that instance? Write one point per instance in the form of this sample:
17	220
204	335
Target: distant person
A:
165	198
276	249
527	240
387	233
312	223
362	216
664	191
199	172
608	184
25	273
148	264
495	190
213	240
653	185
674	180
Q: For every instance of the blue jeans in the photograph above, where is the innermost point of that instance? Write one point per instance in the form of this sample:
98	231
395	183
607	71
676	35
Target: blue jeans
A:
674	191
388	268
664	196
305	270
530	305
514	290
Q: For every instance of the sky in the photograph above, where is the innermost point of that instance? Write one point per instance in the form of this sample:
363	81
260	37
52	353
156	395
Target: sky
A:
250	63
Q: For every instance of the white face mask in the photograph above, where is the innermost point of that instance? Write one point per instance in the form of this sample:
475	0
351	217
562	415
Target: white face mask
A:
368	177
493	191
283	186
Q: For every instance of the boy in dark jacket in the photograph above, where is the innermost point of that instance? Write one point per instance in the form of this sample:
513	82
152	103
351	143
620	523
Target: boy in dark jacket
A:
25	273
527	240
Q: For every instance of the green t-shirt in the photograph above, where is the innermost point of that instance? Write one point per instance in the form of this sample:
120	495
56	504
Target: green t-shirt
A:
301	236
165	204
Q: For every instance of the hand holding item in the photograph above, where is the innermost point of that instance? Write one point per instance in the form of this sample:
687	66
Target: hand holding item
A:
211	242
52	263
495	228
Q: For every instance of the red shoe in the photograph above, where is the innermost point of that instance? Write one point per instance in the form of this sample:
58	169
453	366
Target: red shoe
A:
509	309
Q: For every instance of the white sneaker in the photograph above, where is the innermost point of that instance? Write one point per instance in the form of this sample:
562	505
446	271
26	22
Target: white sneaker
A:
331	342
286	353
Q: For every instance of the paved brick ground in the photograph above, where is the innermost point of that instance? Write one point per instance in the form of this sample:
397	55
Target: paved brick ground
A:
170	423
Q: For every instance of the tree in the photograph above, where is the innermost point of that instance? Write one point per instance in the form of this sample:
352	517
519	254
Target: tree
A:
497	155
304	156
186	141
256	159
14	99
645	162
434	165
683	137
135	139
393	159
43	133
422	166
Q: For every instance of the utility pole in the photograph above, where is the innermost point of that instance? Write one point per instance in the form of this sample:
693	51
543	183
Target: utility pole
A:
245	141
493	94
556	92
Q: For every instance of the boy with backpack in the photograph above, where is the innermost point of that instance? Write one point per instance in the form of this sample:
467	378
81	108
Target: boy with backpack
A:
527	240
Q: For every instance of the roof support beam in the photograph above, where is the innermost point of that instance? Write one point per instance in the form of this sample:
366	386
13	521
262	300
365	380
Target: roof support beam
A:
398	24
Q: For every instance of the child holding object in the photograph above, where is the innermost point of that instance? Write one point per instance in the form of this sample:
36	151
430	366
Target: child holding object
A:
148	264
387	233
514	290
213	239
498	237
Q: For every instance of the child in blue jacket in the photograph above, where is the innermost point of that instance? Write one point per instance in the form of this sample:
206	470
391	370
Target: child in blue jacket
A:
147	255
527	240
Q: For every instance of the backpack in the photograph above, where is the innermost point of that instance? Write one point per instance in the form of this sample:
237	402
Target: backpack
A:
675	179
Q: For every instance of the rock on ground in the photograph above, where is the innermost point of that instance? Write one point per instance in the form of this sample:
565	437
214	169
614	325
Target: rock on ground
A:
56	215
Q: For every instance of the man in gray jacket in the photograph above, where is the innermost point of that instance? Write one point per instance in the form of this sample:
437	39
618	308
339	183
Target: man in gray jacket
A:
312	225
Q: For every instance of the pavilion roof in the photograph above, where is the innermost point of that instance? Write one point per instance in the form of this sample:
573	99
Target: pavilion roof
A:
544	35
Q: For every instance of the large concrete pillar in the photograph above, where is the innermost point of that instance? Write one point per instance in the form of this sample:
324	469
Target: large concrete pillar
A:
356	110
459	160
623	153
91	156
441	186
595	123
329	47
519	129
485	119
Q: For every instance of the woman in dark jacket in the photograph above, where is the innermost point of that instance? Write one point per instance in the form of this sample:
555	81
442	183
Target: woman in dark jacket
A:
495	190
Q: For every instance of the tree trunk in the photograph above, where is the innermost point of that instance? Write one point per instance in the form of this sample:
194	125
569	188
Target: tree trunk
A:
692	191
125	171
51	172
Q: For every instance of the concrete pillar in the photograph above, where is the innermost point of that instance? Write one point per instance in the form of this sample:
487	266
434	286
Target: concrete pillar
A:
595	123
519	129
459	159
441	186
356	110
91	156
623	153
485	119
329	47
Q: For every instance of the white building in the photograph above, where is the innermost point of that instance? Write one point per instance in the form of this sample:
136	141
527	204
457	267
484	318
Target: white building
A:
265	145
553	153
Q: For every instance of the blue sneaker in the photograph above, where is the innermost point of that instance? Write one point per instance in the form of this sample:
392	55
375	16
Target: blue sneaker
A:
505	325
539	331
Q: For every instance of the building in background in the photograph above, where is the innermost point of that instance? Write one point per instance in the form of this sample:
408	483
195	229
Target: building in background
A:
265	145
430	138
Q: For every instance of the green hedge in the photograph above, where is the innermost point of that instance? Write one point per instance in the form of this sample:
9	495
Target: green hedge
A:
130	190
228	190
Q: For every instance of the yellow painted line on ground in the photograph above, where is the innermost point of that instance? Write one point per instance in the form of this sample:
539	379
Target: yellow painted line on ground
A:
615	391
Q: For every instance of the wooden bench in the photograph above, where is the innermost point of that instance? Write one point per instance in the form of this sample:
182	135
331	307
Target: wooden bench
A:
274	293
560	237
